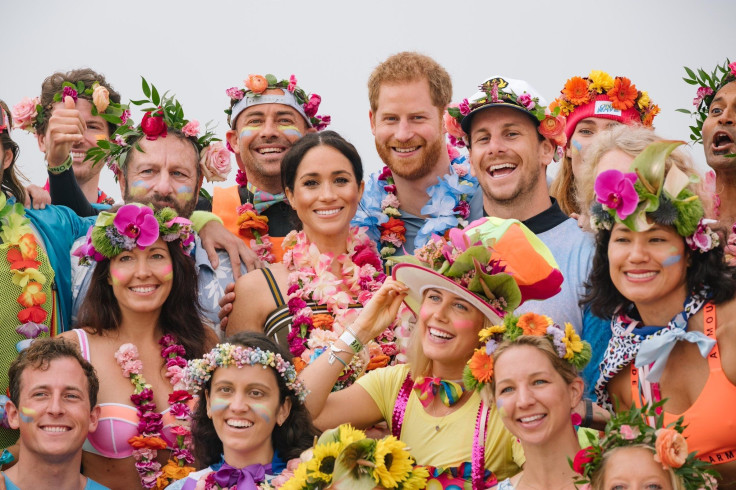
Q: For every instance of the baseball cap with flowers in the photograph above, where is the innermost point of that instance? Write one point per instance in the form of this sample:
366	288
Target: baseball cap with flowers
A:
494	264
161	113
292	95
500	91
600	95
708	86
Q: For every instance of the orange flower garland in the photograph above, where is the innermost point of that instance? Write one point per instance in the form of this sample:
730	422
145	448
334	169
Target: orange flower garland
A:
533	324
576	90
481	366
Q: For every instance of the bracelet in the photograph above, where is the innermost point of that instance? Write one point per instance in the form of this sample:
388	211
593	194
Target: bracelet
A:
350	339
334	350
588	413
66	164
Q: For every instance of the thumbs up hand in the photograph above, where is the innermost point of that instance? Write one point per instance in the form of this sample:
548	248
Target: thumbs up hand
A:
66	127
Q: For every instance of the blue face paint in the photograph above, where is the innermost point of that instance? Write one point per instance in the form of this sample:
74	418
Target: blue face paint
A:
261	411
219	404
26	414
672	259
290	131
575	144
248	131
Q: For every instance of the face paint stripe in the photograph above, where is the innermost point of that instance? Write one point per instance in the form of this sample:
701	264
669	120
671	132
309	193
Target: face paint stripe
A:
261	411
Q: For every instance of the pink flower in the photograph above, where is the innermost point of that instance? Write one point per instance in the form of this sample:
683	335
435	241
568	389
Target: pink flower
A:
311	107
24	113
460	169
671	448
463	209
702	93
464	107
137	222
124	116
390	201
732	66
554	129
526	100
234	93
391	188
324	121
181	430
241	178
256	84
628	432
364	254
88	250
69	92
215	162
452	126
452	151
144	453
582	458
702	238
131	367
126	352
292	84
385	173
191	128
176	374
616	191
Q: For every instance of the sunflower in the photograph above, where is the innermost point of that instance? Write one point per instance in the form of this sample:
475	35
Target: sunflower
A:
481	366
533	324
488	332
600	81
322	464
417	479
348	435
299	480
644	100
572	342
576	91
393	462
623	94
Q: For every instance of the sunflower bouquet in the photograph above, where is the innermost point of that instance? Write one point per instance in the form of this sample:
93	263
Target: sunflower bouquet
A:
344	458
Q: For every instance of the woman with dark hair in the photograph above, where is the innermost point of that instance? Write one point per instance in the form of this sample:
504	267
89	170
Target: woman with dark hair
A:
141	306
251	420
330	269
659	272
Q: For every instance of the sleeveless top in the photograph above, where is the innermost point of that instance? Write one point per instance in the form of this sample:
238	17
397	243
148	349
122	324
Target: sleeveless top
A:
225	203
710	422
278	322
119	422
13	341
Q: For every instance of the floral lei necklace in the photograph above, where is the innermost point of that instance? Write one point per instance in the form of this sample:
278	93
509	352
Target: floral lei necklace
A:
311	280
148	441
448	206
254	226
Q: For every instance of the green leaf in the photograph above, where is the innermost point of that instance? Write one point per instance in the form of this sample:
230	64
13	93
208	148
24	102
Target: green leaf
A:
80	87
155	98
146	88
271	79
691	82
684	111
139	102
649	164
690	72
464	262
203	192
111	119
104	144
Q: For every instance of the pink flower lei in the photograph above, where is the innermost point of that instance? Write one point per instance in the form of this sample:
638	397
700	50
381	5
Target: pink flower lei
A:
149	440
311	280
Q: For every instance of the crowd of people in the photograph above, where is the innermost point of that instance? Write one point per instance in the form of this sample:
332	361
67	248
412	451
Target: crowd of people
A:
458	319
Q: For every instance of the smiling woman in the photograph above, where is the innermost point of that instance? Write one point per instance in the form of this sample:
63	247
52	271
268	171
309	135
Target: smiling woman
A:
141	306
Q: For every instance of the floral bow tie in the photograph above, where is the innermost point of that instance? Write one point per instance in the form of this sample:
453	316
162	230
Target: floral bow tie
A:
427	388
262	200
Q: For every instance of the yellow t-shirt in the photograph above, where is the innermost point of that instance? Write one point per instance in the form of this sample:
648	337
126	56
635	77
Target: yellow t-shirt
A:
452	444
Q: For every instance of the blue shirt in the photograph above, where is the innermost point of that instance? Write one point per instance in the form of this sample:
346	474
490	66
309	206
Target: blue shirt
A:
91	484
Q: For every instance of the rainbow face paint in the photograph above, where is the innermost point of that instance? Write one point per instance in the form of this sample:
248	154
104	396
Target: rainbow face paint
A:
673	258
139	188
576	145
184	193
116	276
218	404
27	414
248	131
168	271
261	410
290	130
501	410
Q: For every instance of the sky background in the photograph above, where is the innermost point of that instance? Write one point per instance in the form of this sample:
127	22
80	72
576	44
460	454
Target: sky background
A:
197	49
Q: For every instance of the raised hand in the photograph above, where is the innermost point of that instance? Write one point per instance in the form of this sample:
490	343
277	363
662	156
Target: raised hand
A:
66	127
380	311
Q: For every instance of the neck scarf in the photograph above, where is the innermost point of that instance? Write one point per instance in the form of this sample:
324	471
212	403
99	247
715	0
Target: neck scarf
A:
242	479
263	200
427	388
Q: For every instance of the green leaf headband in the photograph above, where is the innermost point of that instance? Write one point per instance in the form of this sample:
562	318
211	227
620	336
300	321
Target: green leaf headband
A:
645	195
630	428
708	86
162	112
567	343
199	371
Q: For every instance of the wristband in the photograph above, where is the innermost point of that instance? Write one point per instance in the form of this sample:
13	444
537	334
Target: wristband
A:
66	164
333	355
588	413
350	339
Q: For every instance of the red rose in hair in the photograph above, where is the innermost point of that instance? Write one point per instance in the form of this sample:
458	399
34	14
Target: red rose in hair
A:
154	126
582	458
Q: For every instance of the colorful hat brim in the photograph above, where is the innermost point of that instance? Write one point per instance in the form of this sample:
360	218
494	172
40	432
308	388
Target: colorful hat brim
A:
418	279
468	119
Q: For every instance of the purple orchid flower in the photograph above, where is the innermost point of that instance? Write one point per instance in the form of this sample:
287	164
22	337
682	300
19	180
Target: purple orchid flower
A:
138	223
31	330
616	191
88	250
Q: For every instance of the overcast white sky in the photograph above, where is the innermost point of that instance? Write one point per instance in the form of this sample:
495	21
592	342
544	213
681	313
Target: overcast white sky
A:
197	49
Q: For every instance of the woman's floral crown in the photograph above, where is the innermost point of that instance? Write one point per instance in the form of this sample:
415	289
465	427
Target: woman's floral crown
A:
708	85
622	94
346	456
567	343
199	371
29	114
162	113
133	225
498	91
645	194
630	428
256	85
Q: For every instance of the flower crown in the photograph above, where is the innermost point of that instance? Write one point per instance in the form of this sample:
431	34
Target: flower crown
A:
635	198
4	121
133	225
630	428
346	456
497	91
29	114
163	112
622	94
256	85
199	371
708	85
567	343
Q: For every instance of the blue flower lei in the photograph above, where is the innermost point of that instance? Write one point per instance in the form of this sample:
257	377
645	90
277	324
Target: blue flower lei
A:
448	205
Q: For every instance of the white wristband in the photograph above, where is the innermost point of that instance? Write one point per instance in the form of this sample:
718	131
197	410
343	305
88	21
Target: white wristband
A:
350	339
